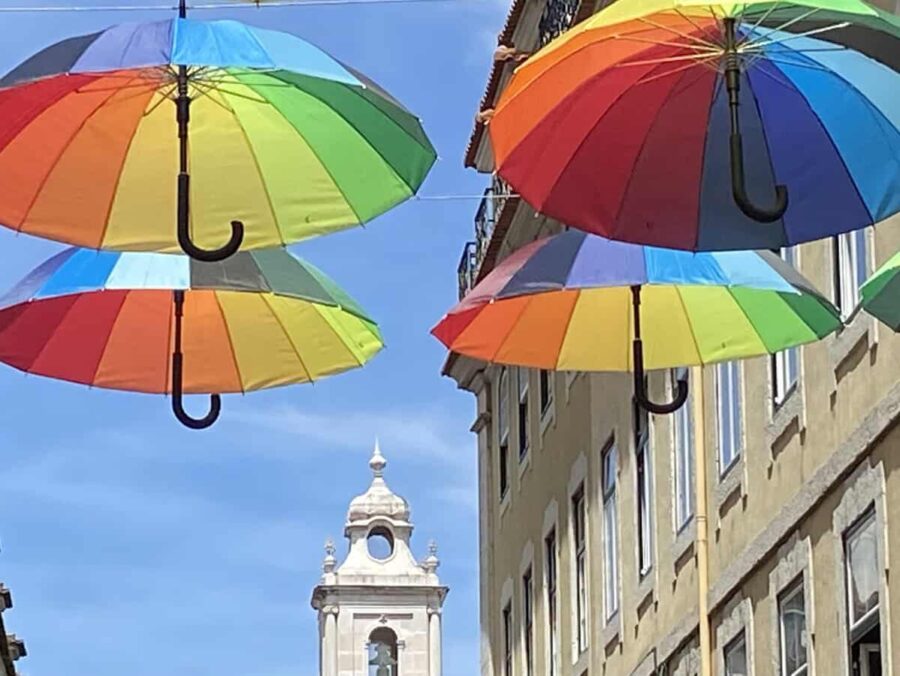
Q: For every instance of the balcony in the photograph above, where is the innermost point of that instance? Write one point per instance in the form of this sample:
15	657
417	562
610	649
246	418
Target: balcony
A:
486	218
557	18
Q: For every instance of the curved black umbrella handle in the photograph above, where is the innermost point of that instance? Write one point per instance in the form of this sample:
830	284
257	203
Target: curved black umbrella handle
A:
738	182
739	189
640	387
641	395
184	230
215	407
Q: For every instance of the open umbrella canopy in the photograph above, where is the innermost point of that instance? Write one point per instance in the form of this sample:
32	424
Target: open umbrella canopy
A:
260	319
710	126
276	135
567	303
881	293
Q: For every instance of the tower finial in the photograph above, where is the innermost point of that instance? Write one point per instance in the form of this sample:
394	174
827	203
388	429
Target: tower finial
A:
431	562
329	562
377	463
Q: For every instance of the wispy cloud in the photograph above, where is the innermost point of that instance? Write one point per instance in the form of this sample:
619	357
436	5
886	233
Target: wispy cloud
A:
418	433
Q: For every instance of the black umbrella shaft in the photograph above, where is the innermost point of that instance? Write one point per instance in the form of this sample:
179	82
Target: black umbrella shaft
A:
732	73
182	9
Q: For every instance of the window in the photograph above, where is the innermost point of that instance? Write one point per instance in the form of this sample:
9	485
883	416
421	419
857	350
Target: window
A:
528	621
792	630
643	469
503	426
730	423
382	653
785	364
507	640
545	380
736	657
863	584
683	437
850	269
552	610
523	412
579	530
610	532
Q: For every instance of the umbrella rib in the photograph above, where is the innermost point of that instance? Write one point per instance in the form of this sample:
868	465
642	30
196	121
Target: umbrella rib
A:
686	36
764	16
679	69
57	160
700	49
262	178
312	150
702	29
763	43
287	337
690	324
234	359
109	335
118	181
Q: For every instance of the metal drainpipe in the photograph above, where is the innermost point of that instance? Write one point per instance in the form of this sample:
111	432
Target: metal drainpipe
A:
702	521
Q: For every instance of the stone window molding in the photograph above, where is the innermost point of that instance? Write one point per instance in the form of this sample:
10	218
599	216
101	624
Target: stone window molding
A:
684	540
611	631
550	525
794	561
547	416
687	664
866	489
729	484
738	617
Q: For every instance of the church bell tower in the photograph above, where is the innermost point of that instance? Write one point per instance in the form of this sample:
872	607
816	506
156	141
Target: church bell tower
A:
379	610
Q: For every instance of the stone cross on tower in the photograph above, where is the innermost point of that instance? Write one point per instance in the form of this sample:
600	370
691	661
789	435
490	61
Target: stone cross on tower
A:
379	592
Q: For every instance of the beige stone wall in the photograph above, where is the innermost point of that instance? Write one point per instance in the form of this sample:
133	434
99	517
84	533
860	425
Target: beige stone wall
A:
797	464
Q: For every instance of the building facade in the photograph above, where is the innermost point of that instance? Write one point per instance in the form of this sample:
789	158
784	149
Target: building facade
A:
12	648
587	506
379	610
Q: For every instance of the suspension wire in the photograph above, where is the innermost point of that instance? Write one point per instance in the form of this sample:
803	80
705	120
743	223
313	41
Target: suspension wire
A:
247	4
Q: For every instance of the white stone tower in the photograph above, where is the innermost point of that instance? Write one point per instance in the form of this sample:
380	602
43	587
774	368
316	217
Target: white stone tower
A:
379	610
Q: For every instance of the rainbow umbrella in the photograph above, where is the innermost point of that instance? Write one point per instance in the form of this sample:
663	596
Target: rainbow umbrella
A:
689	124
231	133
578	302
881	293
158	323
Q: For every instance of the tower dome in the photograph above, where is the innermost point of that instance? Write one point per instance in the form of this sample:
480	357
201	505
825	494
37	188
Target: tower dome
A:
379	502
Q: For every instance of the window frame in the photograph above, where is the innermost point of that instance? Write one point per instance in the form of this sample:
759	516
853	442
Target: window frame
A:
528	620
739	639
683	442
850	268
795	588
609	496
579	542
643	466
507	619
785	365
551	581
503	428
859	627
522	411
545	391
735	413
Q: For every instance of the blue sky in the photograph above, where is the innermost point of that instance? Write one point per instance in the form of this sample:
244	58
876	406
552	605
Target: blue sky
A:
133	546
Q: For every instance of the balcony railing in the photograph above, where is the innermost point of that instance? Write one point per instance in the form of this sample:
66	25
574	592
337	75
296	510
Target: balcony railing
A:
489	210
556	19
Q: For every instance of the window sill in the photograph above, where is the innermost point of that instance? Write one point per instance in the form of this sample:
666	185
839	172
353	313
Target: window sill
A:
787	417
548	418
524	464
612	632
730	484
684	543
646	592
504	503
